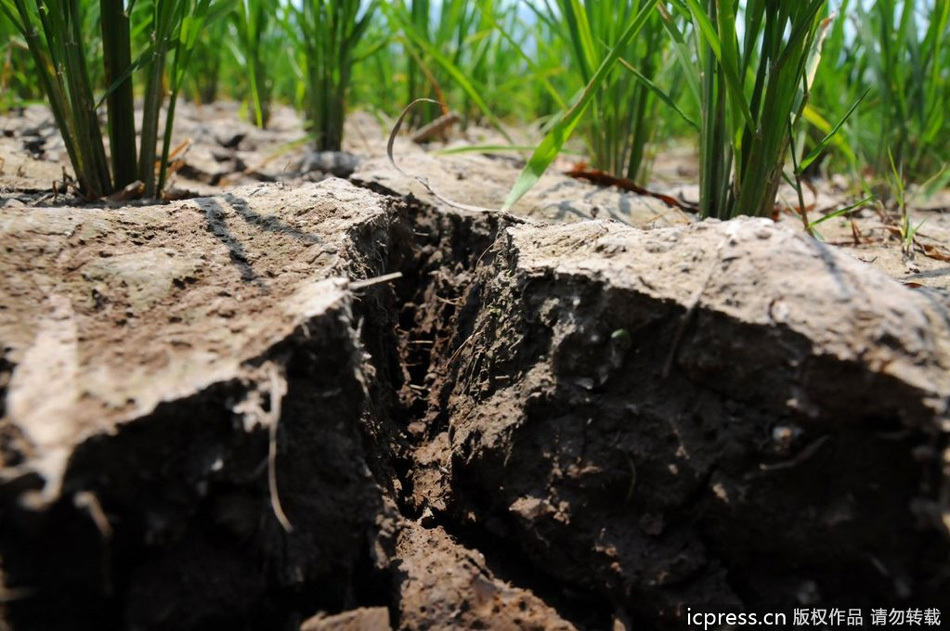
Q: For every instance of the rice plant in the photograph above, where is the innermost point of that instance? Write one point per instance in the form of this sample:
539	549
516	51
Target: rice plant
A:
839	84
417	85
435	44
500	63
895	53
54	33
567	121
329	33
546	60
463	57
16	68
621	121
379	76
736	76
907	56
257	48
752	91
203	84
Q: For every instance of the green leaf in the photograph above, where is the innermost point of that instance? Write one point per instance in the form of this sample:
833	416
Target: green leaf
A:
823	144
844	211
663	96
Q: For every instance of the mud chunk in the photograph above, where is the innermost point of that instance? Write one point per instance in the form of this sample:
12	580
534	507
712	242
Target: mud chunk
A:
365	619
444	585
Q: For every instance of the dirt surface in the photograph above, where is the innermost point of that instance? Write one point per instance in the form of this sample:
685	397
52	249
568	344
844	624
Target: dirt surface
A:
342	405
363	619
217	150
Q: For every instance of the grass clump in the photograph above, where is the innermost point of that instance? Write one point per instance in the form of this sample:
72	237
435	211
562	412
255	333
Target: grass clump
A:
905	49
892	58
623	111
330	31
54	33
255	48
203	83
17	83
461	55
752	93
838	86
567	121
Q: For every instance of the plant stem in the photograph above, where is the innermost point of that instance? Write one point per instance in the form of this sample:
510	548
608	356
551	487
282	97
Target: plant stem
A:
117	50
154	95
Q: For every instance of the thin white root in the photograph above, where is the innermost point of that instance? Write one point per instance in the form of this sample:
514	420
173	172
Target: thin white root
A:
278	387
88	501
369	282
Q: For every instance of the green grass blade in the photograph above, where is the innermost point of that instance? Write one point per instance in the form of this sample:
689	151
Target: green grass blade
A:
681	50
829	137
844	211
660	94
706	27
532	65
729	58
191	24
490	148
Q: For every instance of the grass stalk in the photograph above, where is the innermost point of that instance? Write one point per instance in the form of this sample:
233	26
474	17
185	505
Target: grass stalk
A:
191	20
753	91
208	66
417	85
331	30
162	16
56	34
117	54
256	21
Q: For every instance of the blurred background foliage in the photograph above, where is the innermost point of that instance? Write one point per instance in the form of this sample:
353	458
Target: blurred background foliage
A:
884	74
